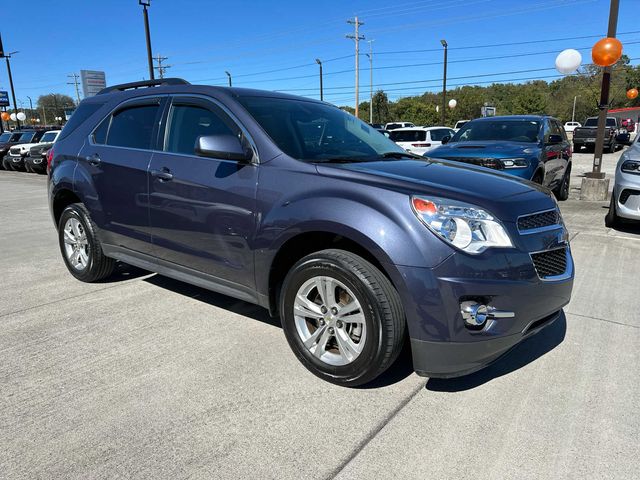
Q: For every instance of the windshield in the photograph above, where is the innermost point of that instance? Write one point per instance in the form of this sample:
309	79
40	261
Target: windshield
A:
408	135
503	130
593	122
49	137
461	123
315	132
5	137
26	137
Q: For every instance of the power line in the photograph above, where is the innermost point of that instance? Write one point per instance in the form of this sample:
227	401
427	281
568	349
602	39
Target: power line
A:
75	77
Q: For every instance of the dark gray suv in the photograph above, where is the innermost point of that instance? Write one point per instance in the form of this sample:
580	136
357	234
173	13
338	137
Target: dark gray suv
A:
297	206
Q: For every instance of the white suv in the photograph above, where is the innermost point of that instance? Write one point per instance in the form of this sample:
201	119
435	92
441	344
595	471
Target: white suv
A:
420	140
395	125
569	127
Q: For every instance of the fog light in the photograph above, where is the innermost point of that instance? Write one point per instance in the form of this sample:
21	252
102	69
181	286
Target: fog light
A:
474	314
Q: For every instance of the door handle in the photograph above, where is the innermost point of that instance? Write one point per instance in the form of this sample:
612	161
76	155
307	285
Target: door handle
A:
93	159
163	175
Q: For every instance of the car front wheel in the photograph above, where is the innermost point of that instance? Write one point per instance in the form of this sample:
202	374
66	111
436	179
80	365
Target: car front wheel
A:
342	317
80	246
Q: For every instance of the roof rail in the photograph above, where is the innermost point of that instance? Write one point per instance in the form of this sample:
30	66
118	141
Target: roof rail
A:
145	83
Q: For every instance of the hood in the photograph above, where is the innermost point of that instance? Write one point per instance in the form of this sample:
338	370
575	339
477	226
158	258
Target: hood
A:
23	146
486	148
503	195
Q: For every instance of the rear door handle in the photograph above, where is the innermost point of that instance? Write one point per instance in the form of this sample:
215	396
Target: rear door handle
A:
93	159
163	175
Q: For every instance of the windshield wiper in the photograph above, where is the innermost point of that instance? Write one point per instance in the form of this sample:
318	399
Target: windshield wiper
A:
401	155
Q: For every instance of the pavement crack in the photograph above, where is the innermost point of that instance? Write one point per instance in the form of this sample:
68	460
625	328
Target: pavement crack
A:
604	320
373	433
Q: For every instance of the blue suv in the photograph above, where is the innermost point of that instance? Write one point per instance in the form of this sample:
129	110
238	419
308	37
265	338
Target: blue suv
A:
299	207
533	147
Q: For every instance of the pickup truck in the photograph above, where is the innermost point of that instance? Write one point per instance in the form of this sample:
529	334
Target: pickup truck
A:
586	136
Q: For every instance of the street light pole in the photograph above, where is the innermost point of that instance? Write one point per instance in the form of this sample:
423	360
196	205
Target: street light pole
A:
321	93
604	98
370	55
145	4
30	108
444	82
573	113
228	75
7	56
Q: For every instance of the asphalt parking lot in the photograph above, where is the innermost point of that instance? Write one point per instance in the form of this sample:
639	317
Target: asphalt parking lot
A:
147	377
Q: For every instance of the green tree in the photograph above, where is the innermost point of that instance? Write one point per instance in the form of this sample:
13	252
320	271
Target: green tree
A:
53	104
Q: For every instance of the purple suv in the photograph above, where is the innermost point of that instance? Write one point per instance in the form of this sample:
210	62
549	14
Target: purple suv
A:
301	208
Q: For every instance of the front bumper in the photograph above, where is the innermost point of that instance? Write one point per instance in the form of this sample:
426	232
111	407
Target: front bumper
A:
627	188
442	346
17	162
38	163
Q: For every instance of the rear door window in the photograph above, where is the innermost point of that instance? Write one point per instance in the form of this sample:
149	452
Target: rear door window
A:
132	127
438	134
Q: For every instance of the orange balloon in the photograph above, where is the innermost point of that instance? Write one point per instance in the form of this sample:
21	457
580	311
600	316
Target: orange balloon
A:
632	93
606	52
6	116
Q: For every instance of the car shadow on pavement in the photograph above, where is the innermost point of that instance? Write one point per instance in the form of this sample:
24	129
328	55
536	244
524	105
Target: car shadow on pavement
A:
524	353
401	369
124	272
215	299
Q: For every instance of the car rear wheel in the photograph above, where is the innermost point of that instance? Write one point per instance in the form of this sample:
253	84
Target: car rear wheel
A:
80	246
342	317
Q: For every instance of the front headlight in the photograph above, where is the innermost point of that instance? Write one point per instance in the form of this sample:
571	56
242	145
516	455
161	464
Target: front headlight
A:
631	166
465	226
515	163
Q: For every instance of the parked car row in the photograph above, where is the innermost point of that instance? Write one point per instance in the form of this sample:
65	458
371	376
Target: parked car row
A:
26	149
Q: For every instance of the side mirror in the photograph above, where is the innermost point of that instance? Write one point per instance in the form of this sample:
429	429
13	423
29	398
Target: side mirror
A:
223	146
445	139
554	139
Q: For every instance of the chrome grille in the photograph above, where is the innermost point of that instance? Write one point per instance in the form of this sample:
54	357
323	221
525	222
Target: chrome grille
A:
550	263
14	150
538	220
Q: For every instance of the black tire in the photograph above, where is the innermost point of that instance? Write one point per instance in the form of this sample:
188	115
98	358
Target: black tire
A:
381	307
577	147
98	266
562	192
611	148
7	165
611	220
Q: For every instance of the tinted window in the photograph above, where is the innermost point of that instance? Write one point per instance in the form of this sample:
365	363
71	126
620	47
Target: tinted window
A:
505	130
48	137
316	132
83	112
408	135
187	123
132	127
26	137
5	137
100	133
439	134
391	126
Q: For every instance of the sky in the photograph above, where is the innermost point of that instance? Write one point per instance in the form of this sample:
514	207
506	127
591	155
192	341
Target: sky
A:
273	44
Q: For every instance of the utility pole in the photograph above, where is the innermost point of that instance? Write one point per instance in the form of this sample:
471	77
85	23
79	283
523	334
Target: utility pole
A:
604	98
146	4
7	56
370	55
573	112
44	116
444	83
30	109
321	94
161	68
228	75
357	37
75	77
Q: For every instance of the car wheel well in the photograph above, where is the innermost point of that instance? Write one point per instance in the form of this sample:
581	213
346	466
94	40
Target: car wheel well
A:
62	200
304	244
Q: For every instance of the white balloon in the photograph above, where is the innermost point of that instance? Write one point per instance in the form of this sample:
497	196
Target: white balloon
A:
568	61
452	103
13	117
21	116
